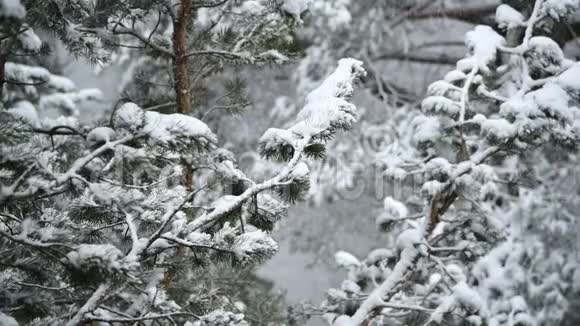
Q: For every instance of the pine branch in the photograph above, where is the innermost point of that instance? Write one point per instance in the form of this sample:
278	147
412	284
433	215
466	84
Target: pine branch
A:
33	243
472	15
441	59
90	305
142	318
409	257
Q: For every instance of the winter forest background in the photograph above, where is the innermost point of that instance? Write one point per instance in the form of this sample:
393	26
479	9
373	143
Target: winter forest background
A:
289	162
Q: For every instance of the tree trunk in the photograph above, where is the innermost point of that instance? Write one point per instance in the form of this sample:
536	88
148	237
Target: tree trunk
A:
183	97
2	72
181	71
182	86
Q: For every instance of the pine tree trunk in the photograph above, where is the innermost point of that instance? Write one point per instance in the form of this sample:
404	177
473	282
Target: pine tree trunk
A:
183	95
182	86
2	72
181	71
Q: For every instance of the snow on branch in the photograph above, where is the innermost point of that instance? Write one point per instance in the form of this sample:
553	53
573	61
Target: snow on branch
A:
326	109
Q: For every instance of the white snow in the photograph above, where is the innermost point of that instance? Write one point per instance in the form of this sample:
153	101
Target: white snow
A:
559	8
455	76
346	260
508	17
296	7
59	101
129	117
26	111
427	129
327	105
395	208
26	74
467	296
440	105
274	138
570	79
552	100
432	187
101	135
255	242
409	238
6	320
12	8
545	54
29	40
61	83
166	128
103	255
499	128
483	42
300	171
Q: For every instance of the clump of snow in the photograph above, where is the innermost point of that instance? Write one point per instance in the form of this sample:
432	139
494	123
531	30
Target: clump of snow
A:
508	17
172	128
336	13
467	296
394	210
552	100
12	8
129	117
26	74
427	129
444	88
569	80
219	317
558	9
62	102
26	111
29	40
327	106
346	260
274	138
455	76
274	55
343	320
544	55
105	256
440	105
101	135
433	187
296	7
483	43
300	171
61	83
379	255
394	207
499	129
520	107
438	165
6	320
409	238
350	286
456	272
255	245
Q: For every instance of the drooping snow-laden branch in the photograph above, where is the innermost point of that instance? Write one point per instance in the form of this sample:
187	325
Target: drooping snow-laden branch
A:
326	107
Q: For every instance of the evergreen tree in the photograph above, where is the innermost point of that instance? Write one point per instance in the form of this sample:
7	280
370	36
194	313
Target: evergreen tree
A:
490	241
133	221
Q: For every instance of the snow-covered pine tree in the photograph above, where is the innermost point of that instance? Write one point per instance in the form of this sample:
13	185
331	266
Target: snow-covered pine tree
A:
91	218
494	155
173	48
27	89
